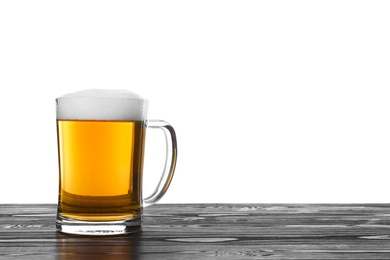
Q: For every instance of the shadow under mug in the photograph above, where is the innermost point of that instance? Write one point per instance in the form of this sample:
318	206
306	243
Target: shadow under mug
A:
101	141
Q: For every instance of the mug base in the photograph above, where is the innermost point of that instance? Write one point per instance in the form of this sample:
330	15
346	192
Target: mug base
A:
105	228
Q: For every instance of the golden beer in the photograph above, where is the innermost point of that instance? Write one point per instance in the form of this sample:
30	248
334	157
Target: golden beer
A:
100	165
101	136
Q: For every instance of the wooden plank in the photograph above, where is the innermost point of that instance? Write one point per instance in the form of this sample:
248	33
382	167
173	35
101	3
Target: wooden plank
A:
209	231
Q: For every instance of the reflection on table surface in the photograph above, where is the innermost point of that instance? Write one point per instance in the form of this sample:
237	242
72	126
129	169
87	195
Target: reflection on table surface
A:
82	247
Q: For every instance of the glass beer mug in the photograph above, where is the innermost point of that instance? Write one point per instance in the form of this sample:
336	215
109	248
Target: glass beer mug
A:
101	140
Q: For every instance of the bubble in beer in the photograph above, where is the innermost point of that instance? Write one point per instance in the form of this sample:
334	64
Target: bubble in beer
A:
102	104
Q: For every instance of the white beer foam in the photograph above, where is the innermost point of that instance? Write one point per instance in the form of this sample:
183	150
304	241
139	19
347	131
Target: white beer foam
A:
102	104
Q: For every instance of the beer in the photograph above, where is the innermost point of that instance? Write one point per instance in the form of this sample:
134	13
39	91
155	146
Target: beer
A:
100	169
101	136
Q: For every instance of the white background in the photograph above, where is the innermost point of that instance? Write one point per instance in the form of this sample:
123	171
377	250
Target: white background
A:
272	101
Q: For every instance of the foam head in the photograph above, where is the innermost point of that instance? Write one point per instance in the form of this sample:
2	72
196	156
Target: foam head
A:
102	104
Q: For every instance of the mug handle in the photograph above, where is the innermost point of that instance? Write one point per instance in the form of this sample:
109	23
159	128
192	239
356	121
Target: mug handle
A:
170	161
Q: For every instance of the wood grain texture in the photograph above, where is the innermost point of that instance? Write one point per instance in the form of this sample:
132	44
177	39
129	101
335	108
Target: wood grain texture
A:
209	231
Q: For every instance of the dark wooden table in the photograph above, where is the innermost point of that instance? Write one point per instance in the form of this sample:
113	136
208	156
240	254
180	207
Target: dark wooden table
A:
209	231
